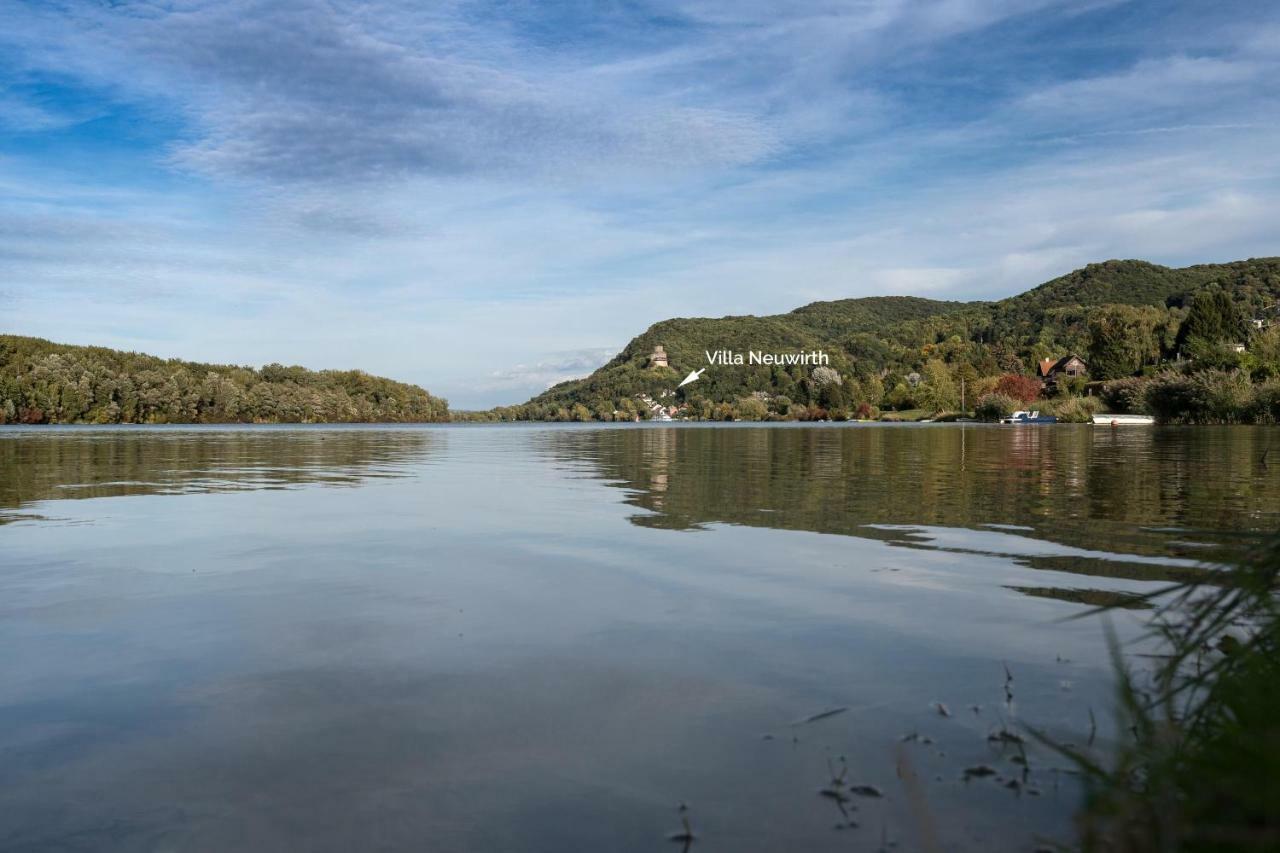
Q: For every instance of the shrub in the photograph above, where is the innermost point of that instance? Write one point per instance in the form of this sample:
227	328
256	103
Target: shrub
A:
752	409
1224	397
1128	396
1070	386
1171	397
993	407
1266	403
902	397
982	386
1265	349
1075	410
1024	389
1211	396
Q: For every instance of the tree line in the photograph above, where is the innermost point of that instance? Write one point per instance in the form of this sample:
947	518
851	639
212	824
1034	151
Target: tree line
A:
46	383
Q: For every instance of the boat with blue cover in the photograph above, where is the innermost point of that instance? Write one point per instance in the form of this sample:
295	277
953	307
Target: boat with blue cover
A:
1025	417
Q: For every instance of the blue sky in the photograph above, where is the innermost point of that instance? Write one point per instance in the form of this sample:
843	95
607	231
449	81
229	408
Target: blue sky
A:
486	197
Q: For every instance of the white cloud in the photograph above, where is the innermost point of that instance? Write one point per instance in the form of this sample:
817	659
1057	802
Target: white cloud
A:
1175	81
557	367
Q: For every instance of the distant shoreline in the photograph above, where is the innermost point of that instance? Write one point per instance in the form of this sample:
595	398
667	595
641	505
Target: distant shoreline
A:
650	424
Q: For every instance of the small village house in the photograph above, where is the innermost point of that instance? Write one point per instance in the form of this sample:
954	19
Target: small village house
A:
1067	367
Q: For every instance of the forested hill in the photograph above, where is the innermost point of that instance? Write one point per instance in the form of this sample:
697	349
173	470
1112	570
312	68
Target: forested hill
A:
44	382
886	338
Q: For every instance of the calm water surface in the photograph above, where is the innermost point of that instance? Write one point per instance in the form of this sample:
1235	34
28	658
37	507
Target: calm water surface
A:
528	638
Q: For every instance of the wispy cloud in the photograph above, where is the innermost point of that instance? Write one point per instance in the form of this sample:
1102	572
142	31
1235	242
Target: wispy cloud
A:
541	375
343	93
1176	84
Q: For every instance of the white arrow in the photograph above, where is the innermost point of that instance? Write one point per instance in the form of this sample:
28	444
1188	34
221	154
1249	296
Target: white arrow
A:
693	374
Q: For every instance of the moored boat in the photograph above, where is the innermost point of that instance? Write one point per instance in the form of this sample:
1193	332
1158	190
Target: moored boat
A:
1123	420
1025	417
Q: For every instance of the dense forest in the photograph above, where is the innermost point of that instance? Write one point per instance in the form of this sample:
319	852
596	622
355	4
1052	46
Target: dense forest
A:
47	383
1199	344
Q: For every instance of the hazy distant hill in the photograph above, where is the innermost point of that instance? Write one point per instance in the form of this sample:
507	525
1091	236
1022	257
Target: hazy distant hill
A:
898	334
45	382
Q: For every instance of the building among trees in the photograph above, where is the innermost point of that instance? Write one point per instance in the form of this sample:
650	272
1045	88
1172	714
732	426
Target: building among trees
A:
658	358
1067	367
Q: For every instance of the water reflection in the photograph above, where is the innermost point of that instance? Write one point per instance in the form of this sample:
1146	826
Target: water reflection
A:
1078	486
56	464
1141	504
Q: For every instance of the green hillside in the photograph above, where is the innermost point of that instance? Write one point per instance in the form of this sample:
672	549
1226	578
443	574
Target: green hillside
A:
1142	283
45	382
877	343
848	316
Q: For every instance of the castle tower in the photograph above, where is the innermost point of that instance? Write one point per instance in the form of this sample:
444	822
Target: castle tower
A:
659	357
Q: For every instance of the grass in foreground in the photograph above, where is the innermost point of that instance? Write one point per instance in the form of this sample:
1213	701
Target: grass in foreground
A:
1199	769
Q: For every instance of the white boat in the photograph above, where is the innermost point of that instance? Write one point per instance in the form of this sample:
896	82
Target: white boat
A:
1023	417
1124	420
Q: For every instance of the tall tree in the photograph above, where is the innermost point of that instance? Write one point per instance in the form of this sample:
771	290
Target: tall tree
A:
1123	339
937	391
1213	319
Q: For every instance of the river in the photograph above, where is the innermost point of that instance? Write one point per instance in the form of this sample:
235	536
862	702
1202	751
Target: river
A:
549	637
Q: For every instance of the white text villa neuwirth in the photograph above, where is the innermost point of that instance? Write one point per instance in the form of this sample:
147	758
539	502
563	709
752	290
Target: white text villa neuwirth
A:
729	357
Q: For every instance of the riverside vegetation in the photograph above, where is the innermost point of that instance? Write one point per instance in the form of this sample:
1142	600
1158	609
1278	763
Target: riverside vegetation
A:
1199	769
1159	340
